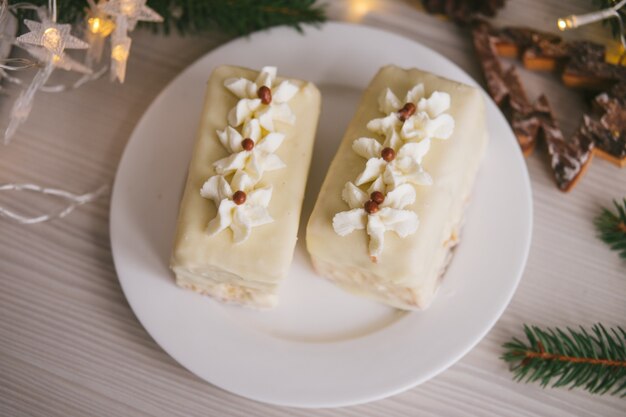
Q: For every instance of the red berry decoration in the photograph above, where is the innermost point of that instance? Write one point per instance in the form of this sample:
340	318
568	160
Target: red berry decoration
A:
371	207
388	154
377	197
406	111
265	94
239	197
247	144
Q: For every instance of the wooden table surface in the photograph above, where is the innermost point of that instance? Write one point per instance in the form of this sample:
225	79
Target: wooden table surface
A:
71	346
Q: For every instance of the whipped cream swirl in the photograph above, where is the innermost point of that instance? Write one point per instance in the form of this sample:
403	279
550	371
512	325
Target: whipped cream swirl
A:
248	166
429	121
251	106
389	217
241	202
406	167
239	217
394	166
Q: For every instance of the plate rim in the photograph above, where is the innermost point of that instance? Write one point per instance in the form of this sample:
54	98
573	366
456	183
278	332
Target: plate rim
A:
355	399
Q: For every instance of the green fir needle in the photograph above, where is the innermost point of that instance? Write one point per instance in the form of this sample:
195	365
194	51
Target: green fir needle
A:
592	360
611	227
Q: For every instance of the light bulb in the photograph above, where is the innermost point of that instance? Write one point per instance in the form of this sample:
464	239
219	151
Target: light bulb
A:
119	53
357	9
100	26
565	23
128	7
51	39
94	24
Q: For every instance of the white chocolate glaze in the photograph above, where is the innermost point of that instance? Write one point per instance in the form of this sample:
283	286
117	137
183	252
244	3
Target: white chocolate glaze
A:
414	263
262	260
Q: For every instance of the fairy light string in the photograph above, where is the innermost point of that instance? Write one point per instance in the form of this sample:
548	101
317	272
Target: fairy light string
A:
74	201
575	21
47	41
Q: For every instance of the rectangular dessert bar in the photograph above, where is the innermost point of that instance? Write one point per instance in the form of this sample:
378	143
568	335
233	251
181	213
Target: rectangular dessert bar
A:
403	271
245	269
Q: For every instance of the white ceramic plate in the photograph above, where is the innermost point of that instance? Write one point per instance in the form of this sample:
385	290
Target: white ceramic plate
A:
321	347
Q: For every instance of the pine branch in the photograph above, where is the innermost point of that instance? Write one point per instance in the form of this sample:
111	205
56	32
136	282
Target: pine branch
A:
612	227
233	17
595	361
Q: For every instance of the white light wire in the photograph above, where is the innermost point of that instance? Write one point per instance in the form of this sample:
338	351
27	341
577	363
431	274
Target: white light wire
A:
14	64
75	200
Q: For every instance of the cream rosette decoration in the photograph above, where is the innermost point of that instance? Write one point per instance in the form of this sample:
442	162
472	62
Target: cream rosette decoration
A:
261	100
377	214
418	119
252	153
387	168
394	167
237	210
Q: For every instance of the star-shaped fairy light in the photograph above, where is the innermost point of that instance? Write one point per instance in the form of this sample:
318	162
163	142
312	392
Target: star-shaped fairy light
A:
377	213
387	168
47	41
238	210
62	61
251	153
99	27
130	11
127	13
52	36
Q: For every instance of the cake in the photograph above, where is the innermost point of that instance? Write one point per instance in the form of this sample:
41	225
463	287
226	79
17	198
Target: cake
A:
391	206
240	210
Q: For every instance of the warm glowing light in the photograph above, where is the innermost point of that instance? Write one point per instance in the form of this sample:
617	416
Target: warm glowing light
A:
56	58
359	8
51	39
100	26
577	20
94	24
565	23
128	7
119	53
